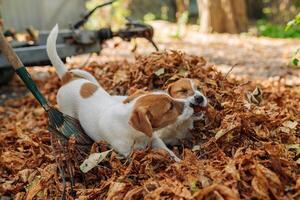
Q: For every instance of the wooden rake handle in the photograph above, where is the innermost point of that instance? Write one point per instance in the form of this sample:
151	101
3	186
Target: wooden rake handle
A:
17	64
9	53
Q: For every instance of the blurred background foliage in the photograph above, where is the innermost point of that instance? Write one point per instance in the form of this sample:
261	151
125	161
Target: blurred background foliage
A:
265	17
109	16
269	29
273	15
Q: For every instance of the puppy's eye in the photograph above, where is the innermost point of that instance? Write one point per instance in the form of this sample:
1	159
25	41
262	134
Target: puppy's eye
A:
183	91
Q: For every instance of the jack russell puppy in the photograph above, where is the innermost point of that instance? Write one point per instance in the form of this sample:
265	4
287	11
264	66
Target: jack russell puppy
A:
184	89
188	89
124	126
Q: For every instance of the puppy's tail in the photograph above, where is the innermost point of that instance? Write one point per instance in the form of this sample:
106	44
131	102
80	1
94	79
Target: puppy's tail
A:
60	67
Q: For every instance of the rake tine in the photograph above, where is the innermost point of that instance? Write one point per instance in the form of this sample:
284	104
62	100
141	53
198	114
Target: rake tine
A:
59	165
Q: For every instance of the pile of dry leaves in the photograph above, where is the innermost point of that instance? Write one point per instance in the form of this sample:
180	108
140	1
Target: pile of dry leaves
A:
248	146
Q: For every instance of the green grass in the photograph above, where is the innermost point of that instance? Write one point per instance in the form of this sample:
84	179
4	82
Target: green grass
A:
277	31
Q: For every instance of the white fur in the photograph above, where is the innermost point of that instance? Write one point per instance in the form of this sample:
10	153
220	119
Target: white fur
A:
85	75
101	116
53	56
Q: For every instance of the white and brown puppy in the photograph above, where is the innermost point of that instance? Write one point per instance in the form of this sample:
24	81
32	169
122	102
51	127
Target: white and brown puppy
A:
190	90
186	89
124	126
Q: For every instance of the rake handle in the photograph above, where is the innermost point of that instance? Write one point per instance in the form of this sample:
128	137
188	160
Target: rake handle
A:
9	53
17	64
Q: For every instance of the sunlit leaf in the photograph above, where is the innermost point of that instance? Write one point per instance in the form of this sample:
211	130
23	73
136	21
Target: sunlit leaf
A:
293	22
295	61
289	25
183	72
159	72
193	187
295	147
290	124
93	160
196	148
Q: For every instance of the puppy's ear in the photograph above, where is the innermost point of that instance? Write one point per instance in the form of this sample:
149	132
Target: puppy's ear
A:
140	121
197	82
134	95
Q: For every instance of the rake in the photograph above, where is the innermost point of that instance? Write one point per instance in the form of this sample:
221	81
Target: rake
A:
60	124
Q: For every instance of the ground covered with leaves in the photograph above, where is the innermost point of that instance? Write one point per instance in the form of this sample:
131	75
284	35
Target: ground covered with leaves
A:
246	148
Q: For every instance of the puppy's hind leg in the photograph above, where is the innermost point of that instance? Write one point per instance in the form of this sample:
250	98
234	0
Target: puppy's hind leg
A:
157	143
66	103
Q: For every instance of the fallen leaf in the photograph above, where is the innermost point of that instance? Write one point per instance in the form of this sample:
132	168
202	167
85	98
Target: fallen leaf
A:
229	124
120	76
260	186
224	191
261	132
196	148
270	175
255	97
231	169
183	72
93	160
285	129
117	190
295	147
159	72
290	124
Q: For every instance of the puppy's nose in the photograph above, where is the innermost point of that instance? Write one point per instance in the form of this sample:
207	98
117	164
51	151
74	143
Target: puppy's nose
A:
199	99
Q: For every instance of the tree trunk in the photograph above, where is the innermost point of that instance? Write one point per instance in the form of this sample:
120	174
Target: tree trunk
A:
181	7
221	16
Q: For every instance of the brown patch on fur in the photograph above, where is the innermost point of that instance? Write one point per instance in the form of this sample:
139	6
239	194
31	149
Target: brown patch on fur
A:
134	96
154	111
87	90
69	76
199	86
181	88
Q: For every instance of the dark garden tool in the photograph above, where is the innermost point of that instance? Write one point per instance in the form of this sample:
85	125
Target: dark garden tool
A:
133	29
58	121
60	124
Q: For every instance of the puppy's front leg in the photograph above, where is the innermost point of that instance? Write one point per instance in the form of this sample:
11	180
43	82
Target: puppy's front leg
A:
122	146
159	144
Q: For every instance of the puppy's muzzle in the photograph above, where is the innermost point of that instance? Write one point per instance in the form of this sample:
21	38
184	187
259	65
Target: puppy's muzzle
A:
199	100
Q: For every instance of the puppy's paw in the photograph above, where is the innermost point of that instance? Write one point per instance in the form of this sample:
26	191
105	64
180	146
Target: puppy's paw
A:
174	156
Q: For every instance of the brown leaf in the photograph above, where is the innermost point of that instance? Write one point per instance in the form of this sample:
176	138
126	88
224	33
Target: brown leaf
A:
224	191
117	190
259	185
